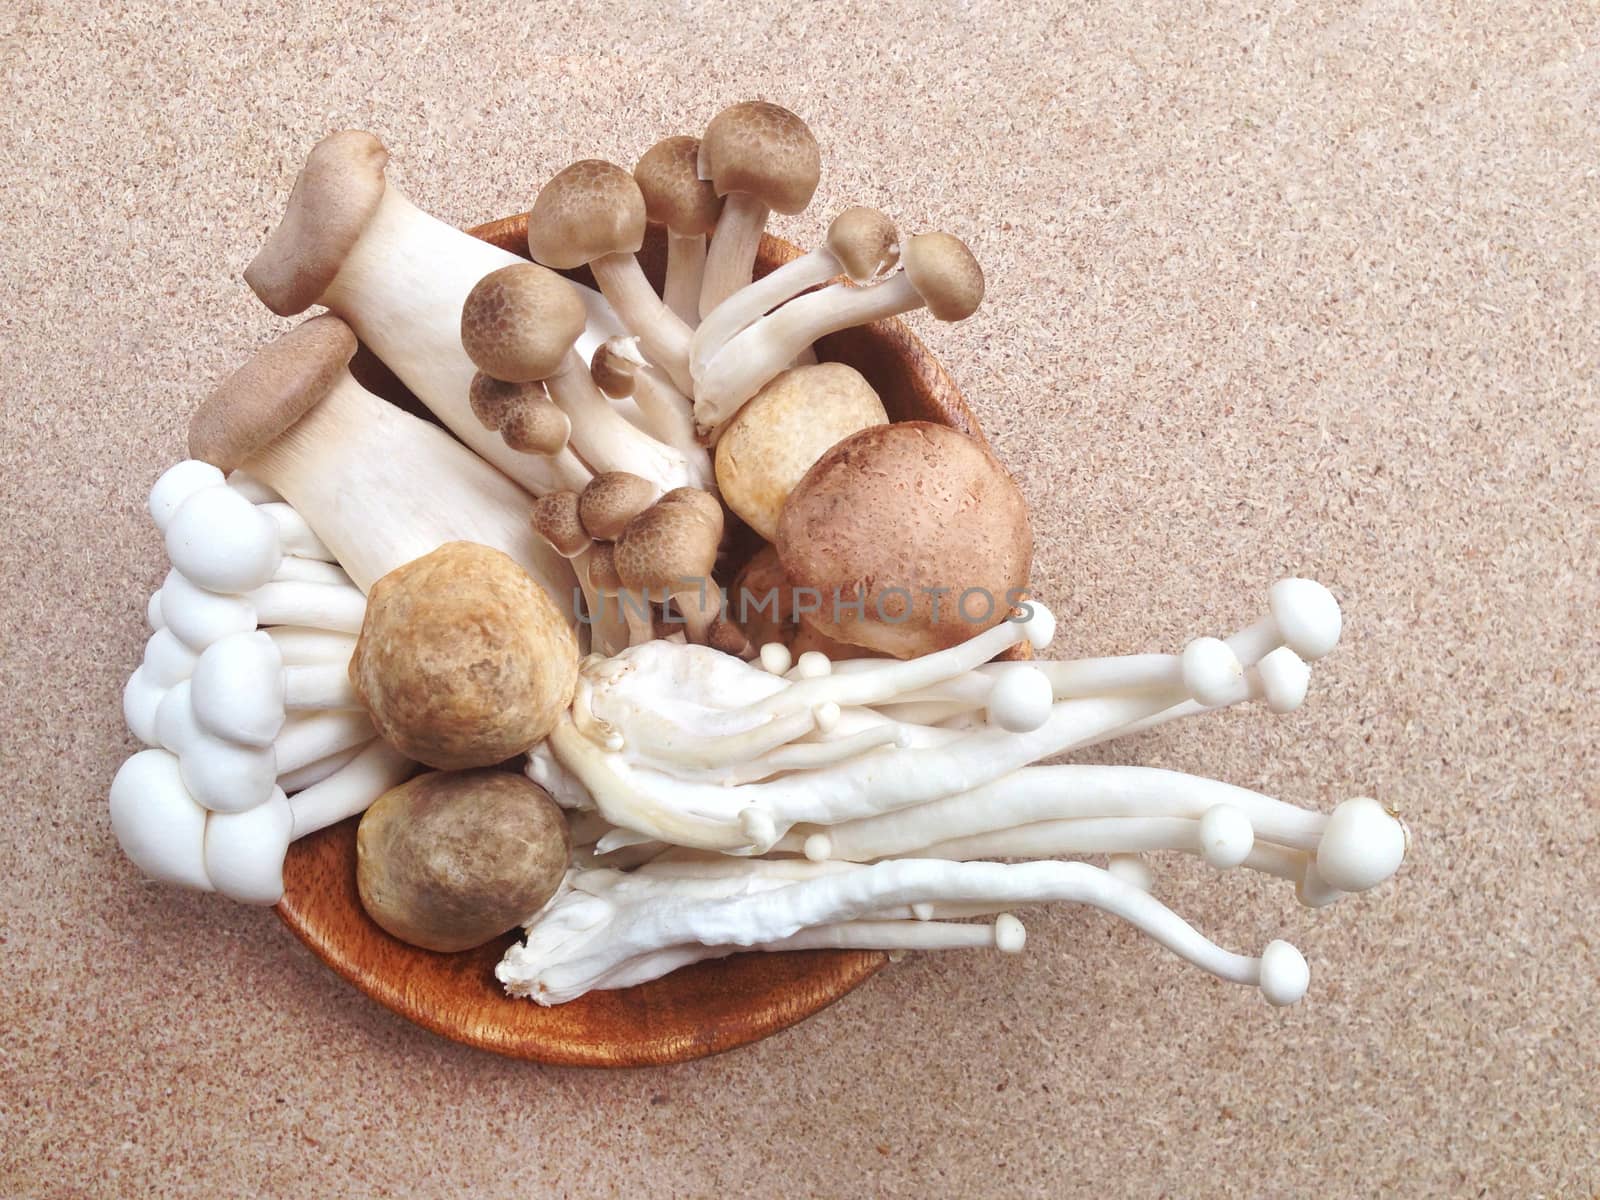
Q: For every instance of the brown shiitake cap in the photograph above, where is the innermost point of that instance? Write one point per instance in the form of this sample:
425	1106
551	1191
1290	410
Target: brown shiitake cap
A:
613	367
555	519
589	210
764	150
519	322
271	392
611	500
603	567
865	242
674	194
945	274
533	424
334	197
667	547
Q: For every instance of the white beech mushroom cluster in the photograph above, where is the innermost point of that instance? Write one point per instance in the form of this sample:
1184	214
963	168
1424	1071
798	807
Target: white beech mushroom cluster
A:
722	791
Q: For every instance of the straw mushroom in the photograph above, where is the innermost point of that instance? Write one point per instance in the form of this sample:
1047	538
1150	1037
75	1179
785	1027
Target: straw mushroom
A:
592	214
774	439
521	324
353	242
668	552
454	858
861	244
939	273
463	659
914	535
379	486
676	197
761	159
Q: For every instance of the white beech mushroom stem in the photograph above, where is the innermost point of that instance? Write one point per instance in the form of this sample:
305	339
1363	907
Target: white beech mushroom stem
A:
661	332
731	255
309	570
290	782
351	789
686	270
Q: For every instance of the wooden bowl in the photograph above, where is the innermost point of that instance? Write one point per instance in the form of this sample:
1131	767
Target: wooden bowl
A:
699	1010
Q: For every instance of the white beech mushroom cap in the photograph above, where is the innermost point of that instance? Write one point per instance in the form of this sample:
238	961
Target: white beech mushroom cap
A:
1285	677
177	484
237	689
222	542
1211	670
244	851
222	776
1284	974
1021	700
1307	615
1226	836
158	824
1362	846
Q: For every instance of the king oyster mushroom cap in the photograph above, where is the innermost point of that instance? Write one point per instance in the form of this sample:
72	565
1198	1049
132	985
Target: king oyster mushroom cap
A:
669	551
919	524
400	278
463	659
760	158
862	243
378	486
939	273
676	197
611	500
790	423
593	214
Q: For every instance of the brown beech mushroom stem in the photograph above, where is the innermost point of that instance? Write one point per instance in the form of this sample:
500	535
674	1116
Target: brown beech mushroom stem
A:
555	518
620	371
377	485
463	660
913	535
614	594
668	552
454	858
504	338
675	196
592	214
353	242
789	424
862	244
940	274
760	158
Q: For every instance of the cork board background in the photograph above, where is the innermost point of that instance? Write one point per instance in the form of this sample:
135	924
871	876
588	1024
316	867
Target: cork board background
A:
1274	287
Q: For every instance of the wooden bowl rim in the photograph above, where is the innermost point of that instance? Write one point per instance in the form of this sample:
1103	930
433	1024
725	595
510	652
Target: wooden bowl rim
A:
819	978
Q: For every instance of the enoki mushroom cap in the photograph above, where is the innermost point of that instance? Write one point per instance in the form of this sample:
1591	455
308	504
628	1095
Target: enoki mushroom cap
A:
278	386
519	323
945	274
674	194
1362	846
1307	615
865	242
588	210
334	197
555	519
763	150
611	500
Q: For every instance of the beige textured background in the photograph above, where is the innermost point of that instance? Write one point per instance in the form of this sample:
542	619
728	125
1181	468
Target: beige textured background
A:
1274	287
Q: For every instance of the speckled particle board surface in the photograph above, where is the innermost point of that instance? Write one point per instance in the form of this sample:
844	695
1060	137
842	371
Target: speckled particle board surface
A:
1277	287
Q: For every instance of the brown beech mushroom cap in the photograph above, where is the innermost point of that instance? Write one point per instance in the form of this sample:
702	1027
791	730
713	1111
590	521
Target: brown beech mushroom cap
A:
612	499
533	424
865	242
454	858
785	428
945	274
463	660
589	210
764	151
555	519
281	384
519	322
334	197
893	514
674	194
669	552
614	372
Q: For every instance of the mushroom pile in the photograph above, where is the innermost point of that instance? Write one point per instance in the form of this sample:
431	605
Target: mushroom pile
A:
637	745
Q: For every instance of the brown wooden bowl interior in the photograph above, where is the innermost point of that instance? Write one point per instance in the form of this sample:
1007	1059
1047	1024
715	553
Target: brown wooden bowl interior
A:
699	1010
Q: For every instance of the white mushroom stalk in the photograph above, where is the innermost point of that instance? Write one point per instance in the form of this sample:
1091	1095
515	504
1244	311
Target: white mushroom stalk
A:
666	414
607	929
399	278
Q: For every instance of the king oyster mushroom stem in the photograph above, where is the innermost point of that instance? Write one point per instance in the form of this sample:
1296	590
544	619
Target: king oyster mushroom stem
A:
666	414
353	242
862	244
379	486
688	207
938	273
537	343
592	214
760	159
609	929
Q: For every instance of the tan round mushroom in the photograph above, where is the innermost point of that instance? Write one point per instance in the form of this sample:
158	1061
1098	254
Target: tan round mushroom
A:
760	158
675	196
787	426
612	499
463	660
669	551
454	858
593	214
519	322
917	522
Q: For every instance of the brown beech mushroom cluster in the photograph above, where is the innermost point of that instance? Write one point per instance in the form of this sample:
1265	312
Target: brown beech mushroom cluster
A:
463	660
454	858
914	535
669	551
